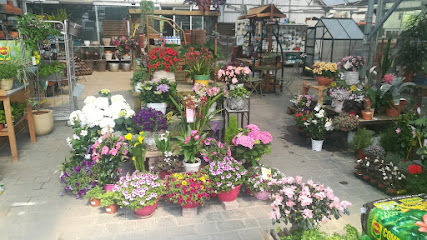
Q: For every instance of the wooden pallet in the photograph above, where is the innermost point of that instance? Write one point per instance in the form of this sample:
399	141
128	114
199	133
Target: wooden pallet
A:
115	28
82	69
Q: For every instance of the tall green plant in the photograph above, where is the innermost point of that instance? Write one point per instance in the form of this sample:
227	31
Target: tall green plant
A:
34	30
147	8
386	59
361	140
231	130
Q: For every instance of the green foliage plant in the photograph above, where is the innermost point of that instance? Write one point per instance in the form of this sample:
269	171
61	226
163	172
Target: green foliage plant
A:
239	93
95	193
139	77
400	138
231	130
34	31
59	15
147	8
189	144
361	140
2	117
351	233
51	68
396	90
8	70
108	198
387	60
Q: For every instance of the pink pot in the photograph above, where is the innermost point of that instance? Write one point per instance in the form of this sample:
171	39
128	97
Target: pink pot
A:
146	211
230	195
108	187
263	195
191	205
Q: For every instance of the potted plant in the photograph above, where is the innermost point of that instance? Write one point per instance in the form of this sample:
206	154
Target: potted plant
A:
109	151
234	76
293	203
156	93
34	31
351	65
169	162
138	78
369	111
338	94
317	125
124	44
412	48
325	72
258	178
345	122
188	144
11	71
374	151
361	140
153	123
164	62
189	190
94	195
51	71
109	201
137	149
204	5
227	176
2	119
139	191
392	91
251	144
304	102
199	64
237	98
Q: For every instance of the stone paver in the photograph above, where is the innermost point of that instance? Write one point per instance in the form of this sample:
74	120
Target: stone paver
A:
31	207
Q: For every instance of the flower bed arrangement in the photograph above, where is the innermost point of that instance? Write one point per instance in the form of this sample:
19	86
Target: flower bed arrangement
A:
304	204
138	190
251	144
188	189
158	90
164	59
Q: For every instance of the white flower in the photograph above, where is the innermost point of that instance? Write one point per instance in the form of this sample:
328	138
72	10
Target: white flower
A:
76	115
328	125
306	124
83	133
76	137
69	142
102	103
347	65
138	87
87	156
118	98
89	100
107	130
107	122
318	107
314	121
320	114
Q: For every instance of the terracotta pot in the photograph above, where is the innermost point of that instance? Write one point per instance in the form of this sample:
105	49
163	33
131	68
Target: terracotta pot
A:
146	211
367	115
204	5
95	202
394	110
373	181
14	34
360	154
230	195
191	205
391	191
2	36
1	126
324	81
380	185
9	9
365	177
111	209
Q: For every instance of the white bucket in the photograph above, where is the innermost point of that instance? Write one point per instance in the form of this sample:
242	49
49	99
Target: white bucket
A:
158	107
316	145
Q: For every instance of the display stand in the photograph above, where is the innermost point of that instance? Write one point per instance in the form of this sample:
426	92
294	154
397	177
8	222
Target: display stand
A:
243	114
306	86
19	94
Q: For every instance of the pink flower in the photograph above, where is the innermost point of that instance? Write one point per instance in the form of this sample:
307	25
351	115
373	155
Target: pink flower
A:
413	132
194	132
95	159
237	71
299	179
388	78
234	80
187	139
266	137
104	150
307	213
324	219
398	130
288	191
345	204
247	70
245	141
196	137
290	203
305	201
253	128
113	151
230	68
423	224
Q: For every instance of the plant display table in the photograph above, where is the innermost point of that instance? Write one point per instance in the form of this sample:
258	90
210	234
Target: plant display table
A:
19	94
306	86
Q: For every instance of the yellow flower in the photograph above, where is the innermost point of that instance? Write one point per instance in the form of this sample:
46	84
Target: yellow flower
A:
128	136
353	88
184	183
202	179
201	187
140	133
133	158
136	144
140	138
333	84
175	175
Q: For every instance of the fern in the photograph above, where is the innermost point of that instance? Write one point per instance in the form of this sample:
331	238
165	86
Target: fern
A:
231	130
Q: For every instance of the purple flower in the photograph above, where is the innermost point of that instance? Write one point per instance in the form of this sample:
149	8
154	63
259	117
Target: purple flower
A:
77	169
150	120
163	88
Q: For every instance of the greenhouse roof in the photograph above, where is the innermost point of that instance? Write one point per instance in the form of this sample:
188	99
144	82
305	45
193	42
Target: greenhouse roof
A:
340	29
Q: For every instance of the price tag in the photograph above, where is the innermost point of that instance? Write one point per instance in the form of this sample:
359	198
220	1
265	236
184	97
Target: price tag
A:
108	209
266	173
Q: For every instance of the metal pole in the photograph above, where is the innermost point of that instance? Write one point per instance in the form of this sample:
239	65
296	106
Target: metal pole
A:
386	16
366	43
97	24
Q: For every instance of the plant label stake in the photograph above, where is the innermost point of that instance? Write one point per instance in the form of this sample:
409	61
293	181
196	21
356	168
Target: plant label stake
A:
190	114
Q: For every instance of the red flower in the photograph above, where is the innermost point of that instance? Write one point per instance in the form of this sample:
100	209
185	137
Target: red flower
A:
166	58
175	59
415	169
155	66
179	69
149	65
153	57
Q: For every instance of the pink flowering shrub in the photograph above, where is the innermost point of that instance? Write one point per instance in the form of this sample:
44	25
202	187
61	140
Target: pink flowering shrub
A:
225	174
304	204
108	152
138	190
234	74
251	144
256	181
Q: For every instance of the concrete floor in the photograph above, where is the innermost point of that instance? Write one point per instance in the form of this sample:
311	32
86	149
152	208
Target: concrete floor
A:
32	208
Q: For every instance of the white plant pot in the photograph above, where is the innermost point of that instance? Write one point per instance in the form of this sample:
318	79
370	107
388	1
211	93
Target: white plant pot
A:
87	43
316	145
43	121
350	136
158	107
190	115
108	56
163	74
337	105
351	78
233	86
192	167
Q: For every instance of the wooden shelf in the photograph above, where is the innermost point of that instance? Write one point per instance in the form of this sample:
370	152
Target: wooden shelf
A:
178	13
4	131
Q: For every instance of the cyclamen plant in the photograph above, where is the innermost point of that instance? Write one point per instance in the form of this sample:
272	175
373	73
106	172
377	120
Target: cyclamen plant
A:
304	204
188	188
352	63
226	174
157	90
138	190
149	119
257	180
318	124
251	144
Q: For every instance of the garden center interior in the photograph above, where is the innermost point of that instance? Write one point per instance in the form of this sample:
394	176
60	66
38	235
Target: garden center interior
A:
213	119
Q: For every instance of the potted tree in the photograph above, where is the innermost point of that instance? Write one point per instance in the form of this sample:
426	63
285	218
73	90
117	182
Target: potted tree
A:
94	195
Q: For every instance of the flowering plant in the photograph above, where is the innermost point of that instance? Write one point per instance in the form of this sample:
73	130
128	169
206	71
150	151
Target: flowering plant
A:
137	148
392	88
417	179
138	190
226	174
95	193
415	169
157	90
345	122
304	204
338	93
104	92
108	152
251	144
188	188
124	44
303	102
326	69
102	112
164	59
214	150
79	179
300	118
189	144
199	61
258	177
318	124
148	119
352	63
234	74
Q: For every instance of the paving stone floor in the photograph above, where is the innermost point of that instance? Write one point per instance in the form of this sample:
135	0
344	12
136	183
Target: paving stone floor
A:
31	207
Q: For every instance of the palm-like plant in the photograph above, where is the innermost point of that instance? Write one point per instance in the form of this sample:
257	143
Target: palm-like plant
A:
395	90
